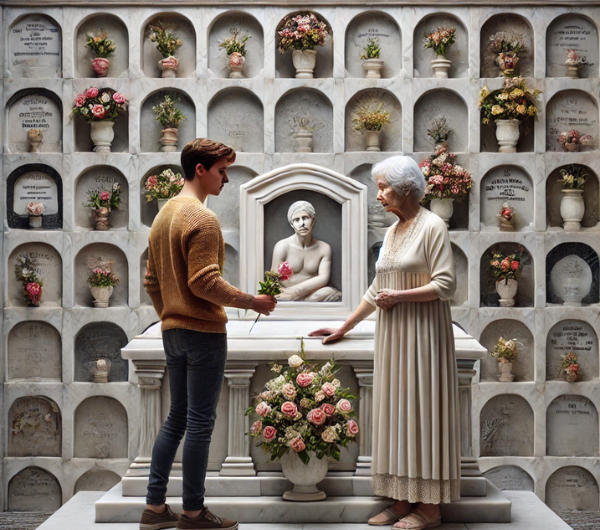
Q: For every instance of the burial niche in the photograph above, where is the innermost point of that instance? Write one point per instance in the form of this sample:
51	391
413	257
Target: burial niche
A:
34	427
231	268
34	351
235	117
144	296
149	209
304	122
572	336
227	204
510	478
373	25
506	427
571	427
36	183
572	275
374	251
35	45
571	110
378	217
572	488
96	345
239	25
97	480
34	122
461	263
101	429
34	489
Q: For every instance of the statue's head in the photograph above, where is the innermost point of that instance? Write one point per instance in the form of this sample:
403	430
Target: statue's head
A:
301	216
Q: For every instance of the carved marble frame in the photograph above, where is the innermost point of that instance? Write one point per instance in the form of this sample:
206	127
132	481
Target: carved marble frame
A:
352	195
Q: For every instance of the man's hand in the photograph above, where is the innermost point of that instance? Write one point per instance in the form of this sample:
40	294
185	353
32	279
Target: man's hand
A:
263	304
386	298
330	334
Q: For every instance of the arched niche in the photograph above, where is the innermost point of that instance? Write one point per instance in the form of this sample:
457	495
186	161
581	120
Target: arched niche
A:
373	24
571	110
100	178
506	426
458	52
572	488
183	29
34	489
236	118
150	128
48	269
34	352
461	262
82	128
34	427
150	209
34	183
510	184
101	429
34	108
283	61
512	478
226	26
100	340
227	204
373	256
378	217
571	427
35	47
231	268
507	22
554	195
441	103
306	103
571	31
391	134
97	480
572	275
116	31
526	281
572	336
86	259
509	329
144	296
488	143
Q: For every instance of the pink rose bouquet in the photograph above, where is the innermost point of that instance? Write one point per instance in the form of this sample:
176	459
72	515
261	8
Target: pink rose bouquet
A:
272	284
444	178
26	271
98	104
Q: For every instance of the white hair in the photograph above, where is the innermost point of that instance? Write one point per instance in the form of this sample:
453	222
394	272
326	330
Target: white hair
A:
403	174
301	206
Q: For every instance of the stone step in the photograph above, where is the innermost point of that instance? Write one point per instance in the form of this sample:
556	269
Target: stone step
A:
493	508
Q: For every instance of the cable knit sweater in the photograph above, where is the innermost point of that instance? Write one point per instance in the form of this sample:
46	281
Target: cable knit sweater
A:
186	254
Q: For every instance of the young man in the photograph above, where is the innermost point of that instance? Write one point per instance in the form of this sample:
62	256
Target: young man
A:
186	254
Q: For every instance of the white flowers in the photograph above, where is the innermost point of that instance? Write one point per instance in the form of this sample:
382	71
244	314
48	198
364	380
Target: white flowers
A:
295	361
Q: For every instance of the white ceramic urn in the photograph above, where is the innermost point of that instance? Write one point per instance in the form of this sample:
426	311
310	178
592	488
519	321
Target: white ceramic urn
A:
304	477
507	134
572	209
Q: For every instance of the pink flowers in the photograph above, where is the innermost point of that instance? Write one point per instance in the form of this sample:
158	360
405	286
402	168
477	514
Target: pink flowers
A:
328	389
352	428
98	111
104	195
99	104
304	379
297	444
514	265
289	409
269	433
262	409
288	390
316	417
91	92
344	406
256	427
35	208
33	290
119	98
285	271
80	100
328	409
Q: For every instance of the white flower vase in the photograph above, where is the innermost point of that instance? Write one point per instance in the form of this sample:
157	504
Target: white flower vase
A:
572	209
304	62
372	140
373	68
507	134
236	65
505	226
102	134
168	66
304	141
101	295
572	70
507	289
443	208
161	203
304	477
168	139
506	375
441	66
35	222
101	66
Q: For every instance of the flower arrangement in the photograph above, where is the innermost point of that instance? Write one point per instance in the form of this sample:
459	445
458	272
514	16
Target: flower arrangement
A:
167	112
102	277
506	267
440	39
166	41
573	178
372	49
104	199
506	350
569	366
26	272
439	130
509	49
35	208
445	179
302	32
234	44
304	123
371	117
304	408
573	140
506	212
100	104
165	185
574	59
514	101
100	44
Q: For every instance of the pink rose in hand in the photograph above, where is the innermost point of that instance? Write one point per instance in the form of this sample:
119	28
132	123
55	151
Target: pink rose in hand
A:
285	271
269	433
98	111
304	379
352	428
262	409
289	409
91	92
328	389
297	444
316	417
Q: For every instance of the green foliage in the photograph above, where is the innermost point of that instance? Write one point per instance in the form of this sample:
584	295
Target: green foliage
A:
372	49
166	41
233	44
100	45
167	112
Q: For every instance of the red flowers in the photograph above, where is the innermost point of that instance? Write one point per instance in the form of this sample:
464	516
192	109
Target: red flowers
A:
289	409
269	433
352	428
285	271
104	196
98	111
297	444
515	265
344	406
91	92
119	98
328	389
80	100
262	409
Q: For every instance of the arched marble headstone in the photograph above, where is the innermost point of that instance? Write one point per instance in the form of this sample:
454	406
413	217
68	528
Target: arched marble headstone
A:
510	478
34	351
572	427
100	340
570	110
574	336
34	427
572	488
34	489
570	277
571	280
97	480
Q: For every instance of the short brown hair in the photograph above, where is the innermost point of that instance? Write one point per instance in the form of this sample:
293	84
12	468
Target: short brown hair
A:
203	151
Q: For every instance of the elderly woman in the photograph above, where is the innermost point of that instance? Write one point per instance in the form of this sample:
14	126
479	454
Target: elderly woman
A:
416	447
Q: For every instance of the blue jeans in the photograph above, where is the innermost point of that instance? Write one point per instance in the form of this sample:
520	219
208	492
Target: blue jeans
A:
196	363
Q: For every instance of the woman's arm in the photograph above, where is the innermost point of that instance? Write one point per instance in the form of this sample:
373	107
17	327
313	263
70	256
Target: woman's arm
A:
332	335
387	298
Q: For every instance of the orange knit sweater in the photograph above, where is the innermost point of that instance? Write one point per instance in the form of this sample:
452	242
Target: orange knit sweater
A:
186	254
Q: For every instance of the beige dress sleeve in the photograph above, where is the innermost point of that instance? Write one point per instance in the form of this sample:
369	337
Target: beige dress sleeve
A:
441	259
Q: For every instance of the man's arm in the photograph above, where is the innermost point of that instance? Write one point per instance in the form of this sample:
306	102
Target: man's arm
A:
151	284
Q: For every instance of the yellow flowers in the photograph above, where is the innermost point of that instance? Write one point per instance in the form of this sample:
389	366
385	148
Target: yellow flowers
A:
497	109
514	101
516	93
521	109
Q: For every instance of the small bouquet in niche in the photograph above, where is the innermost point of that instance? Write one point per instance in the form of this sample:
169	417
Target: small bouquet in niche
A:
102	280
506	352
505	270
440	40
166	44
272	285
574	62
35	210
102	202
572	205
569	367
373	63
26	271
371	117
439	131
35	139
170	116
235	48
506	218
509	48
163	186
302	130
102	47
573	140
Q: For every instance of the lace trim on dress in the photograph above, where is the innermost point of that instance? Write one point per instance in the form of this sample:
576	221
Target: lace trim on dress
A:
429	491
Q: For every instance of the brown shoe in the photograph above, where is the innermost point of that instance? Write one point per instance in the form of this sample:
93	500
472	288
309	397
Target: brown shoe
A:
157	521
206	520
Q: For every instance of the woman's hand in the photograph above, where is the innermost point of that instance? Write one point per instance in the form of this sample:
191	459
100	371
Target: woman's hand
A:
386	298
330	334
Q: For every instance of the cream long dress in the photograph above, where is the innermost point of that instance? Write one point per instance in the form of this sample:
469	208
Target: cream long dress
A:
416	425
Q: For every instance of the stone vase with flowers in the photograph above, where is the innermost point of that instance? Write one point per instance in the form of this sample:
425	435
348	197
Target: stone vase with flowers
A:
371	117
102	47
509	47
506	217
440	40
506	269
166	44
101	202
102	281
235	48
170	116
26	271
506	352
35	210
372	58
569	367
572	206
163	186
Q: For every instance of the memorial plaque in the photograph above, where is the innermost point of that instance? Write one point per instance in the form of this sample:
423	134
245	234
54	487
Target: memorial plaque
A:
100	429
35	47
571	280
34	490
572	427
571	32
574	273
34	351
510	478
574	336
34	426
100	340
570	110
572	488
97	480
